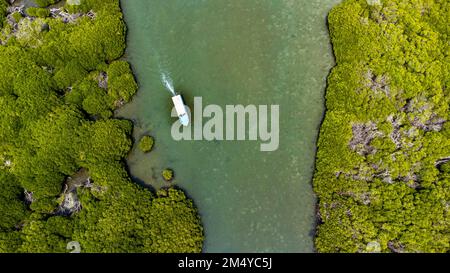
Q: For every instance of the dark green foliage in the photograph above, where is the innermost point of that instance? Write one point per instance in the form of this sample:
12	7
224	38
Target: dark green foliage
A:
45	3
17	16
38	12
89	43
166	224
146	144
445	168
12	207
13	211
121	83
3	7
382	176
91	98
50	152
174	220
43	237
57	95
10	241
69	74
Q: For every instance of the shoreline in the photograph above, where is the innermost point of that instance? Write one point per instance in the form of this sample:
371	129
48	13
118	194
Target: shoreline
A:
318	219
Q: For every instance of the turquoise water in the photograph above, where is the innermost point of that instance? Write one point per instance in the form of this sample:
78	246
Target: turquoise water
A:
260	52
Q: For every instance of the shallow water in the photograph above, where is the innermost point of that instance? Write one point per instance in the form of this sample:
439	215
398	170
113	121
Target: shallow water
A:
260	52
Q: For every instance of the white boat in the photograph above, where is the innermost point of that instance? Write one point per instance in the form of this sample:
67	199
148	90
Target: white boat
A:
181	110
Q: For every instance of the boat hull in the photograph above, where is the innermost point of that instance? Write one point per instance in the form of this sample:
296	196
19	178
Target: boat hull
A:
181	110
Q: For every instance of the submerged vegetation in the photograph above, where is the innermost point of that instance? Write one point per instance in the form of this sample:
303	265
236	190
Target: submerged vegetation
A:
62	176
383	179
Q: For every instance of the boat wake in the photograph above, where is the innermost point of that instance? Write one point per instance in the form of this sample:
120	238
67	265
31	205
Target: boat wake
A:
168	83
